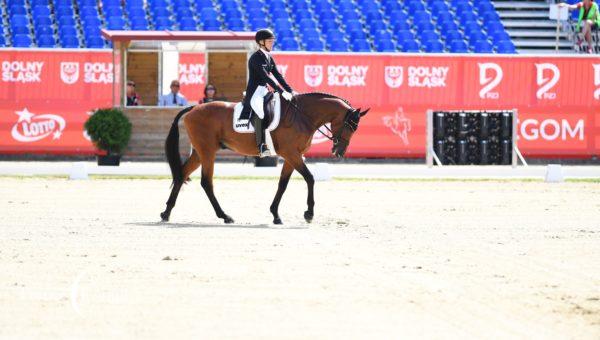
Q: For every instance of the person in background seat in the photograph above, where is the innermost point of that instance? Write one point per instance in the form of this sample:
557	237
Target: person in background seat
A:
133	99
175	98
589	16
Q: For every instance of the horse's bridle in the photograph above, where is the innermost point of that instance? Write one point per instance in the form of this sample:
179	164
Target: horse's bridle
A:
348	123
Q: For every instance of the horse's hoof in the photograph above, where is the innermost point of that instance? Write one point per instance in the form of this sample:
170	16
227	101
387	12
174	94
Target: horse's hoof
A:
308	216
228	219
164	216
277	221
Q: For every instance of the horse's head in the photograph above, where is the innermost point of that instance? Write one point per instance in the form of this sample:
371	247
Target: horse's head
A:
343	129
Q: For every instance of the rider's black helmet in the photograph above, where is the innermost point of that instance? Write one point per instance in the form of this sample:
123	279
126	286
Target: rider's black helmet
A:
264	34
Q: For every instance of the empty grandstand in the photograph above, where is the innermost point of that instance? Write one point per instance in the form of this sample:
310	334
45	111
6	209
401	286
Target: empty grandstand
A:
457	26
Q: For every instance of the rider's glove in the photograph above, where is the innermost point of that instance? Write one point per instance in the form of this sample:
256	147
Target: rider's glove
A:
287	96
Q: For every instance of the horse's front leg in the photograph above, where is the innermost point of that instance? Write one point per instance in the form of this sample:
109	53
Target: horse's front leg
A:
310	182
284	179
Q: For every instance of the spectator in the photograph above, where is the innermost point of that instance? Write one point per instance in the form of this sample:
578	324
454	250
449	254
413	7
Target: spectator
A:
588	14
133	99
210	94
175	98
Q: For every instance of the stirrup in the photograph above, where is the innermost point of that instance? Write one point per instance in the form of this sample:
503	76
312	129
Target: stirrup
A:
263	151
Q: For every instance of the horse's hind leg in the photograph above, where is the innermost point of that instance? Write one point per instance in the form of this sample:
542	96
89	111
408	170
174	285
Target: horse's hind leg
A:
208	164
189	166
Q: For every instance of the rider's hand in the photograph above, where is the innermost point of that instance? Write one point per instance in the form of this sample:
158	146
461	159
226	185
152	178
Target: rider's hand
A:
287	96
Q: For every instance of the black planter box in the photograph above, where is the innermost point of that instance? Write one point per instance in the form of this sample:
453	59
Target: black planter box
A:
266	161
110	160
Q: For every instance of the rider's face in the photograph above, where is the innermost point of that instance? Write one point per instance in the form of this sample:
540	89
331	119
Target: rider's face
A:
269	44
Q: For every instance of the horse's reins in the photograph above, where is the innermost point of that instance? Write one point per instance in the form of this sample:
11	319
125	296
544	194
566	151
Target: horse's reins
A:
338	137
334	138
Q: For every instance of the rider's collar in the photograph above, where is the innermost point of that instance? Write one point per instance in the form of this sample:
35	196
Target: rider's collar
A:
265	52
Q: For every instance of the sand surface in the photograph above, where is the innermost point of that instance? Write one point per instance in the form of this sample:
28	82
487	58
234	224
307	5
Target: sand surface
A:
382	260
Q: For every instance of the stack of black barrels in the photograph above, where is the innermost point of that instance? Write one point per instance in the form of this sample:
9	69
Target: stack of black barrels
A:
473	137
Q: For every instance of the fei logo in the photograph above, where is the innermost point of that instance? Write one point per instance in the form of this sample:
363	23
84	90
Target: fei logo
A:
546	84
394	76
597	81
31	127
399	124
313	75
69	72
489	82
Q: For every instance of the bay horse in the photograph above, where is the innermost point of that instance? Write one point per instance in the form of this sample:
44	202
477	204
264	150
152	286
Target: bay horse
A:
210	126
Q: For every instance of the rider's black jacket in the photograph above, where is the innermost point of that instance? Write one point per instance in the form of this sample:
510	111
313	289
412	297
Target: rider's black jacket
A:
259	67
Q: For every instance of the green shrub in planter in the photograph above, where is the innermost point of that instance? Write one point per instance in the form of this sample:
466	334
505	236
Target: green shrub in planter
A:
109	129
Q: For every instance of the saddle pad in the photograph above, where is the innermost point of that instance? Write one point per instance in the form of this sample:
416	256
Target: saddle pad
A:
244	126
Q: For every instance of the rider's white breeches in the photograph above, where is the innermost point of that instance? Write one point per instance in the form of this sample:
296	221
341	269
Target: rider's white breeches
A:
257	100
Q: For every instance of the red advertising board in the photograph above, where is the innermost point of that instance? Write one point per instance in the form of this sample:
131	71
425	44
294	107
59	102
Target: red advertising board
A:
557	98
192	75
45	97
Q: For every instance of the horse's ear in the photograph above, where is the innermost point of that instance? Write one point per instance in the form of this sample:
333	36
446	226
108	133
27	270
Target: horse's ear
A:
364	112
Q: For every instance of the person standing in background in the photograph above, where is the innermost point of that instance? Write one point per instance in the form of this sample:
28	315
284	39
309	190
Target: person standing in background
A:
175	98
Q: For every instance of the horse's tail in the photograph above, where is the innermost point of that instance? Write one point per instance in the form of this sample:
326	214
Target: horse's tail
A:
172	148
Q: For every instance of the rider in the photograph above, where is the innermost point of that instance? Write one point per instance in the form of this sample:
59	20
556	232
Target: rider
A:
260	65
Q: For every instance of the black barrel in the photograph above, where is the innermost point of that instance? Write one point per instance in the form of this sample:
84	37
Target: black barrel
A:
506	125
462	152
462	125
439	150
439	125
484	123
484	152
506	151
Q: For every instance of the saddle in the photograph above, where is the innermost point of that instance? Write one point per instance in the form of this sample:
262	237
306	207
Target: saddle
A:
268	107
242	114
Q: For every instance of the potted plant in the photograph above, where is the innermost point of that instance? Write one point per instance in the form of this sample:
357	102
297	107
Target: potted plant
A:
110	131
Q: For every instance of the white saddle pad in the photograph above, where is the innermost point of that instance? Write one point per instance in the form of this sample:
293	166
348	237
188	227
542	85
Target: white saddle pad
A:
244	126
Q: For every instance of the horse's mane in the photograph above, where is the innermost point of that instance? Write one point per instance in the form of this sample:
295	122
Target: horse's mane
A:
326	95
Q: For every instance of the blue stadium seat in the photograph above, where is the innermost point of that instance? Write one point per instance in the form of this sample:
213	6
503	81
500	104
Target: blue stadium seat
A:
289	44
44	30
20	30
46	41
21	40
35	3
410	46
66	21
338	46
17	10
457	46
482	46
94	42
41	11
139	24
64	11
42	21
2	41
115	23
506	47
385	45
433	46
314	45
361	45
19	20
88	11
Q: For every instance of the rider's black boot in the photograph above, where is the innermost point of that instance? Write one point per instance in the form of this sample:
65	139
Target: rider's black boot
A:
259	128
